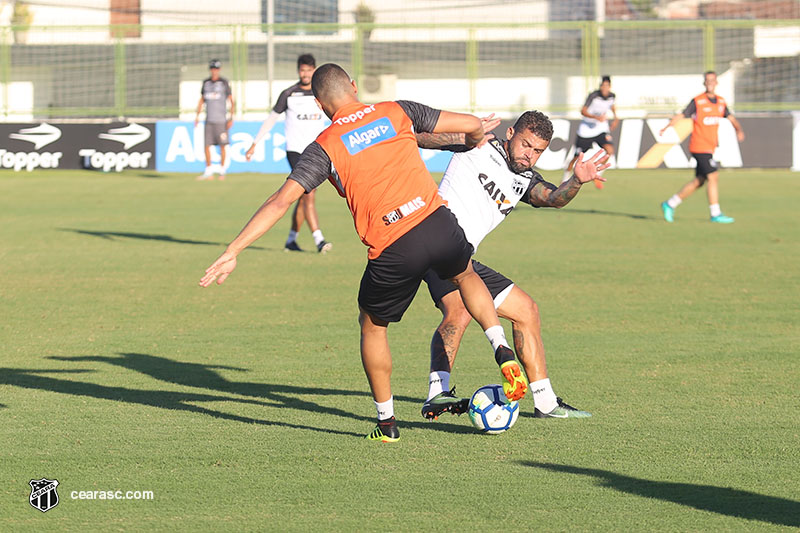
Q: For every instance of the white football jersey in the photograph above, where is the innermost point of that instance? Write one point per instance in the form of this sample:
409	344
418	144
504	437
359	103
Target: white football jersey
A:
304	119
596	104
481	190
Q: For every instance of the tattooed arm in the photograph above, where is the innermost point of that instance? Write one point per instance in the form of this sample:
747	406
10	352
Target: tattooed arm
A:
544	194
453	142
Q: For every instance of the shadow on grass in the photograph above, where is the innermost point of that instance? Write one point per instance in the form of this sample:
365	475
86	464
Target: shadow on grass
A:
113	235
720	500
205	377
173	400
609	213
150	175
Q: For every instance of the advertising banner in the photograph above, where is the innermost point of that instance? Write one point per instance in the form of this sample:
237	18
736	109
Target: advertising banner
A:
111	147
180	147
177	146
637	144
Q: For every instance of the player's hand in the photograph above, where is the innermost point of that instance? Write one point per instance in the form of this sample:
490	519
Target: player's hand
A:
614	124
219	270
740	135
228	124
489	123
600	118
195	123
590	169
249	153
483	141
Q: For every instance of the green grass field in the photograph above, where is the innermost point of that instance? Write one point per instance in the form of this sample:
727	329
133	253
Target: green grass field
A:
243	407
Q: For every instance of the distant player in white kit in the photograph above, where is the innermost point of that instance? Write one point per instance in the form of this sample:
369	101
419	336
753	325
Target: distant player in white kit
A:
304	121
594	128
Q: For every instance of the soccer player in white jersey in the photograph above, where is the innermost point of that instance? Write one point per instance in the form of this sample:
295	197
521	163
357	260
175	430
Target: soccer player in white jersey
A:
594	127
304	121
481	187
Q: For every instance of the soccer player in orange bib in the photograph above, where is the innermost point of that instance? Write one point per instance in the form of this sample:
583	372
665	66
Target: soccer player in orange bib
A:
705	110
370	154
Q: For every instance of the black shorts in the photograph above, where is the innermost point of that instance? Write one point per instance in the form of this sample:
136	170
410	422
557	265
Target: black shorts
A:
293	158
706	164
584	144
391	280
495	282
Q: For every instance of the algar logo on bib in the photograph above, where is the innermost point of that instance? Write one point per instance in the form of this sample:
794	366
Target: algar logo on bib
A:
368	135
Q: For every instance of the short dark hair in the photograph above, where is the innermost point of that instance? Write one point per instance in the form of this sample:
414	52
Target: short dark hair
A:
306	59
537	123
605	79
706	73
328	79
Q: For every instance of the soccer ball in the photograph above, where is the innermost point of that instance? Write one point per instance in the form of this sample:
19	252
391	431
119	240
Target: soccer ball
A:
490	411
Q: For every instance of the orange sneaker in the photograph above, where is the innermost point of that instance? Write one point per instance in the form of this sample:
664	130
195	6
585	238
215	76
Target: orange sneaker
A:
516	384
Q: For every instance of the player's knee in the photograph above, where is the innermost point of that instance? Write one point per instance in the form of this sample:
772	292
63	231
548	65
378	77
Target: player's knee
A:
369	322
457	320
455	314
527	314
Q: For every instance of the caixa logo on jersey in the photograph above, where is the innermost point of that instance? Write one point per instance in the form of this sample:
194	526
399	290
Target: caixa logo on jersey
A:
23	148
112	150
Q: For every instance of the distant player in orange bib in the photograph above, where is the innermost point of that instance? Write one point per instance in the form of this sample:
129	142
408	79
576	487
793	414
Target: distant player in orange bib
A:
370	154
705	110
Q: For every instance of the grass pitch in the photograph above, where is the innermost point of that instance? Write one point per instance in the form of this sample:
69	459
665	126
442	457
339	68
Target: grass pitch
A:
243	407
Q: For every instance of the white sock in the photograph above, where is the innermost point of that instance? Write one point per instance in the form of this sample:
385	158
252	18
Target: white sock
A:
292	236
209	171
715	210
385	409
318	238
674	201
220	170
544	398
438	382
497	337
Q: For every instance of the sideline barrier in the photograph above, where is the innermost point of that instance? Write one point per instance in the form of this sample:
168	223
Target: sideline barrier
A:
177	146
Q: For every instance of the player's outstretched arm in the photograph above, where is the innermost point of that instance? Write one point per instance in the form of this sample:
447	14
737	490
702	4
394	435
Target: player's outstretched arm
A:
674	120
266	217
265	128
470	125
453	142
546	194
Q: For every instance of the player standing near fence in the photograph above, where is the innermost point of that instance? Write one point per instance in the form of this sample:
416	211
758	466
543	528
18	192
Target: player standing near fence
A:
705	110
215	94
304	121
